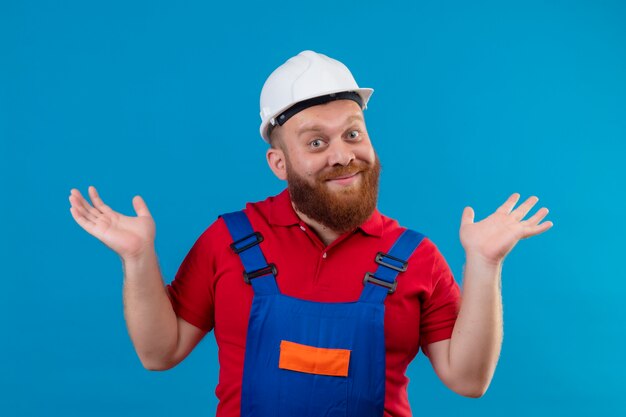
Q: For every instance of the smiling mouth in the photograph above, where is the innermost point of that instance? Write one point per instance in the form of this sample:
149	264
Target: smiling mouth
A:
344	179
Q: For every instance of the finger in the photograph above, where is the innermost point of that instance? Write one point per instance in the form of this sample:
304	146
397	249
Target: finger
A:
81	209
536	230
78	199
97	201
82	202
140	206
537	217
82	221
521	212
468	216
509	204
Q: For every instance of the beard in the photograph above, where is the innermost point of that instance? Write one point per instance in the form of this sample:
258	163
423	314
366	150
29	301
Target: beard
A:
340	210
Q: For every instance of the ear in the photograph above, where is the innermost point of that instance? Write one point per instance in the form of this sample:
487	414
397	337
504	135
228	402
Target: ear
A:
276	161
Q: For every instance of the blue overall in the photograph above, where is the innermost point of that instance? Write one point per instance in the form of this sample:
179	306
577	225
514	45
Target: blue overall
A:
356	329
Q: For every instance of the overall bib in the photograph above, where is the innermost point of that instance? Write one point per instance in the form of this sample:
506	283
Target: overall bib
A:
310	359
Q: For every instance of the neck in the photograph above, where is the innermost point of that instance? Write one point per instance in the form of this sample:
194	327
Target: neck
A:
326	235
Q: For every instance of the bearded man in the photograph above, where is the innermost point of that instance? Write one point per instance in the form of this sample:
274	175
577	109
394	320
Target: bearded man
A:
318	301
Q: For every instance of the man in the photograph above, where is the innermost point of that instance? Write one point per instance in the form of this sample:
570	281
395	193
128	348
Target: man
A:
317	300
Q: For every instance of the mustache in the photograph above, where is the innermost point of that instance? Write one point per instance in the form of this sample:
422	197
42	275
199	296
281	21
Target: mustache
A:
344	171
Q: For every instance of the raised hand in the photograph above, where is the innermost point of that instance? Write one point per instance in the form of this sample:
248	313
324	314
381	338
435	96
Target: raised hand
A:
127	236
494	237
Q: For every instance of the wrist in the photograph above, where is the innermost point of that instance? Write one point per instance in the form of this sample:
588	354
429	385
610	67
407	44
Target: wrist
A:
482	273
476	258
145	254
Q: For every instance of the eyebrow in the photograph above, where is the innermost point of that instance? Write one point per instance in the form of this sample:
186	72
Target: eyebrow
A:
318	128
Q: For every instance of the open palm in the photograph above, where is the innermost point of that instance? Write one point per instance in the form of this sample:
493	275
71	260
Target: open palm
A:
495	236
127	236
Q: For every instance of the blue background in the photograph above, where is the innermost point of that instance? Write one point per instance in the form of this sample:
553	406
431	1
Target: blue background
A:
473	101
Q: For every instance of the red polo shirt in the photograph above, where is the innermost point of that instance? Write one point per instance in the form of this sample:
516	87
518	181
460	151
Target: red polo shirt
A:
209	292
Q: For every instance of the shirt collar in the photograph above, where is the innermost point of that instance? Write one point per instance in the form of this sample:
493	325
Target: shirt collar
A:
281	210
283	214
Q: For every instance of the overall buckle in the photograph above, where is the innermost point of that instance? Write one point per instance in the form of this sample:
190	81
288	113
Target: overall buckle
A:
380	260
258	238
269	269
370	277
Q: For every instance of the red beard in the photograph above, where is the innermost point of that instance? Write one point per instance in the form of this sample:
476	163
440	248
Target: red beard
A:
341	210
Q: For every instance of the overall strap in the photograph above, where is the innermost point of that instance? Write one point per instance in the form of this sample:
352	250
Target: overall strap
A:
383	281
257	272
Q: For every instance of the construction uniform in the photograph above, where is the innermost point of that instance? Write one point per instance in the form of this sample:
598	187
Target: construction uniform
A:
318	311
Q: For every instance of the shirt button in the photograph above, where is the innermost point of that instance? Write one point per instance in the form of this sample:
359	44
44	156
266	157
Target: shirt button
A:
324	255
302	228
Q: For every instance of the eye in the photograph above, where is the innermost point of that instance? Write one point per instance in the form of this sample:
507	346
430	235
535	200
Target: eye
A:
353	134
316	143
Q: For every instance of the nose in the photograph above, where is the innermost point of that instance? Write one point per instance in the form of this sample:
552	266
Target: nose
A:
340	153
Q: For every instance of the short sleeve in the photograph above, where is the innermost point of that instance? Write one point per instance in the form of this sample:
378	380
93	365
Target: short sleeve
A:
441	308
191	292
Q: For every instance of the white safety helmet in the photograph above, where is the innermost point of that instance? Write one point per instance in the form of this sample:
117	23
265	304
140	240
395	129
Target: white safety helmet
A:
306	80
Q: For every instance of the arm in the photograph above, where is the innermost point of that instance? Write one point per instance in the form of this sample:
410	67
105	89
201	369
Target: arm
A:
160	338
466	362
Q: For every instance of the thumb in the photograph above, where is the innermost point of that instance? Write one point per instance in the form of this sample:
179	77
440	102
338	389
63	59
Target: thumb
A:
140	206
468	216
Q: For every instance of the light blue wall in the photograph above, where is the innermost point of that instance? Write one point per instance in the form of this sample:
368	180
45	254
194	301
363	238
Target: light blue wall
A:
473	101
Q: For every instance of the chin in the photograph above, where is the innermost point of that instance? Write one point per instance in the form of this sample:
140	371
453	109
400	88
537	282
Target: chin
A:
348	190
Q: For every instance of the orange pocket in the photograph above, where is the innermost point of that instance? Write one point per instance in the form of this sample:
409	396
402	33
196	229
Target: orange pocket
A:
313	360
